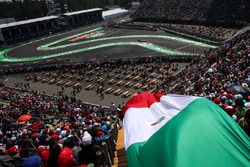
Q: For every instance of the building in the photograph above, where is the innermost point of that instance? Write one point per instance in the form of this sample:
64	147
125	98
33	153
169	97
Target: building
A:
23	30
83	17
109	15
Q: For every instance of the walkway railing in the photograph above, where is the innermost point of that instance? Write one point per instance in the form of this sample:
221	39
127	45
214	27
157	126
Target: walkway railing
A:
109	144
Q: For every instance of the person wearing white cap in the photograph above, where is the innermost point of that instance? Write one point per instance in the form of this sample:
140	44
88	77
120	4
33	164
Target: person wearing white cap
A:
234	117
63	133
89	153
247	105
86	139
58	130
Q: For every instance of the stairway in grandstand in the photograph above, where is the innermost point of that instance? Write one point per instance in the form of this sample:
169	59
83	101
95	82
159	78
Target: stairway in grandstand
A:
120	154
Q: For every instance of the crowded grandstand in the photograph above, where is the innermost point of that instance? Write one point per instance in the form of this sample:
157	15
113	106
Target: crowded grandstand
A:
69	83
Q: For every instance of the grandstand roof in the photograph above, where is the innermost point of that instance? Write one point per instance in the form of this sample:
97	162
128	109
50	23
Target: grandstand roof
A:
82	11
113	12
27	21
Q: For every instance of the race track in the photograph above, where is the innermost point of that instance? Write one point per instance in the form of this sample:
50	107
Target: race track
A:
97	42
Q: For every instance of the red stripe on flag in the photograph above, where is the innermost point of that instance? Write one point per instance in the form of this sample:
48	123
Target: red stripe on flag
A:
142	100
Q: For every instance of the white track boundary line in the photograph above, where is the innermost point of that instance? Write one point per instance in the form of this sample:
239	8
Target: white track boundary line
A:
183	47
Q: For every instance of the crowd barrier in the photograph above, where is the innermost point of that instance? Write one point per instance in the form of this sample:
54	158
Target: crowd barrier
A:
51	66
109	145
133	27
206	22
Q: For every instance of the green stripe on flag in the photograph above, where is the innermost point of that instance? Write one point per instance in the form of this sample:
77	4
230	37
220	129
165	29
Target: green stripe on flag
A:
202	135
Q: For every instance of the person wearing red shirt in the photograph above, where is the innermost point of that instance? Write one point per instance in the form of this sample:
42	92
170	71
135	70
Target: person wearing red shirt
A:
65	159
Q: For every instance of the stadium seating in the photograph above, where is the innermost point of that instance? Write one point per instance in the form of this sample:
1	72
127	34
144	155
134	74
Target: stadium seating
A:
186	10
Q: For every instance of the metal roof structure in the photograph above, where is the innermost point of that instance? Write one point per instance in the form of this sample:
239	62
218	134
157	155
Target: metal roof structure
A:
27	21
114	12
82	11
105	14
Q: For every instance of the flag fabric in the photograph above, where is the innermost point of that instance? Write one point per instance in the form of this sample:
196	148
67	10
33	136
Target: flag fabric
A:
182	131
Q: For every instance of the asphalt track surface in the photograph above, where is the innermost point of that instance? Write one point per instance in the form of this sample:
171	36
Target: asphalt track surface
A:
103	43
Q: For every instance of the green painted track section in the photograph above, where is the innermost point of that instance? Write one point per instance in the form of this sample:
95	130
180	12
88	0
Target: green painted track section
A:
51	46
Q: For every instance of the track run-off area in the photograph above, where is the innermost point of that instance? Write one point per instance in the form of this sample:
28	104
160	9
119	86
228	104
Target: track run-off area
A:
97	36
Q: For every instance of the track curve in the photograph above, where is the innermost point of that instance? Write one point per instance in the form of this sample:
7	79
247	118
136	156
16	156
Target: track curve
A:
58	47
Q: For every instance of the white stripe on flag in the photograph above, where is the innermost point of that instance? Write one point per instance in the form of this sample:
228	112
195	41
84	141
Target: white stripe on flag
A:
141	123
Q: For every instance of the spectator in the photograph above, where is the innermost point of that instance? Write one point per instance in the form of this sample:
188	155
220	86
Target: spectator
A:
5	159
32	159
65	158
54	151
90	153
244	122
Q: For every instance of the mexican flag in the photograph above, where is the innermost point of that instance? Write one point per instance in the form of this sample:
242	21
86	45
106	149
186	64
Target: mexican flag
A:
182	131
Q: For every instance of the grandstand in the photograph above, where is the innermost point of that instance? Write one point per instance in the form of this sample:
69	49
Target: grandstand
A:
20	31
212	20
213	11
23	30
14	32
83	17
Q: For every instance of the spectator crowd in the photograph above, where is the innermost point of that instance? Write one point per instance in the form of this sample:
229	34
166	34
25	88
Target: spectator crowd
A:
223	76
208	10
40	130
